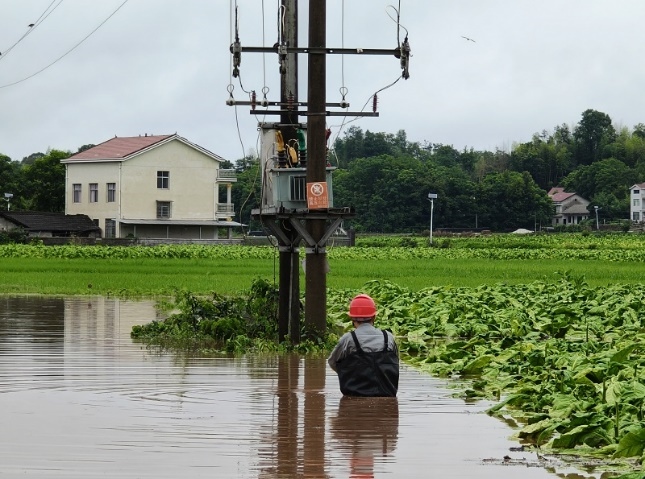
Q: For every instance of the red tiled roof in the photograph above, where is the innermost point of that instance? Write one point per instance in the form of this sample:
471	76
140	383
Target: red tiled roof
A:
558	194
117	148
559	197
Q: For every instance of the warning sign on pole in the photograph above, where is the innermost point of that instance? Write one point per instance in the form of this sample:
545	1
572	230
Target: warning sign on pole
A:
317	198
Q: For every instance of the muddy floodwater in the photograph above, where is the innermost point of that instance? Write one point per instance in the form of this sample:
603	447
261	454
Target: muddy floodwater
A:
80	399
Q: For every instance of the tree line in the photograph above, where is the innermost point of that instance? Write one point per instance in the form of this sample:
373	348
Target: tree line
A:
387	178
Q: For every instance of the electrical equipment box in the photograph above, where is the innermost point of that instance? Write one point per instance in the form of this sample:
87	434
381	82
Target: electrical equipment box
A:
283	187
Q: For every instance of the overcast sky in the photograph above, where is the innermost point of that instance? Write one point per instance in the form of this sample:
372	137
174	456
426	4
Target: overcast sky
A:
163	66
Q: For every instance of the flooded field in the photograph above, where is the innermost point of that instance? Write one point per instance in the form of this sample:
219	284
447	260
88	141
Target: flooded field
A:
79	399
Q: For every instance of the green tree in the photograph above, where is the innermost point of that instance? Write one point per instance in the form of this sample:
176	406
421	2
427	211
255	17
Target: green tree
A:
45	182
593	133
10	178
609	179
512	200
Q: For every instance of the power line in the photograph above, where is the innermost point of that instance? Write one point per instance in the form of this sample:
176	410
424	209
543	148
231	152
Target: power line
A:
68	51
32	27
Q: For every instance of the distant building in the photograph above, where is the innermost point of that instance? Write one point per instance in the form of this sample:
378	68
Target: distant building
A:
570	208
161	187
636	204
47	225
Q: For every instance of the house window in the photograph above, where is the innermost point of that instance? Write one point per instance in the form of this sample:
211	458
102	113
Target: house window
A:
637	201
298	188
636	216
77	192
163	209
94	192
111	192
636	192
110	228
163	180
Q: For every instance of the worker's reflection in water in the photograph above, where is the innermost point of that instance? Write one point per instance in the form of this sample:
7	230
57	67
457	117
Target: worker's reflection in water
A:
368	428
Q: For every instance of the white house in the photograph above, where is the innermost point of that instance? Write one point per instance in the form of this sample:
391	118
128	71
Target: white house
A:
570	208
160	187
636	206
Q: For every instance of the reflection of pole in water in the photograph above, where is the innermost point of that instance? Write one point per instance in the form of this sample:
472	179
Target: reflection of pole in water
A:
287	434
314	430
368	428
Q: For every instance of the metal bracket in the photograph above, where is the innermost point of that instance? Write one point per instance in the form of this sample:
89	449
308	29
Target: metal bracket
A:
286	244
316	247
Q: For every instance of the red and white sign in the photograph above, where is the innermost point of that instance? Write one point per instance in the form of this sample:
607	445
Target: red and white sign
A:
317	197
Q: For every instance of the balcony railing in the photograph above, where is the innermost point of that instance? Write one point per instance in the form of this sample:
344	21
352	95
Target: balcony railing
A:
225	209
228	176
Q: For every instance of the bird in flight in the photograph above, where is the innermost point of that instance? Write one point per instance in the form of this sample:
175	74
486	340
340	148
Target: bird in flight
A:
469	39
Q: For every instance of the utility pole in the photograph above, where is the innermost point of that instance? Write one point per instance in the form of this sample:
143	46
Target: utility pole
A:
316	258
290	207
289	287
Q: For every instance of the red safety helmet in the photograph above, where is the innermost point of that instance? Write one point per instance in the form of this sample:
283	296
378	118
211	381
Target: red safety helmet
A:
362	306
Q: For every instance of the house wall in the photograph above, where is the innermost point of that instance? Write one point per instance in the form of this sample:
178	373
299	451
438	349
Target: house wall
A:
636	207
84	174
193	190
6	225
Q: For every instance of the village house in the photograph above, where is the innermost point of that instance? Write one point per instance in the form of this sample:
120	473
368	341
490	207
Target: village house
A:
636	206
570	208
38	224
151	187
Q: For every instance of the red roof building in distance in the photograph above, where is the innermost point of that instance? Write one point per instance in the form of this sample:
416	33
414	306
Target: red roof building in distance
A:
558	194
119	148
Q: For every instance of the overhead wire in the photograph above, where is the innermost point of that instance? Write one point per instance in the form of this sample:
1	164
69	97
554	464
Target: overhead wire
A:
345	121
32	27
68	51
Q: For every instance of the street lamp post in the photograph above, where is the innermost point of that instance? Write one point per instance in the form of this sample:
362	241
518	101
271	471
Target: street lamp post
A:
7	198
596	207
431	197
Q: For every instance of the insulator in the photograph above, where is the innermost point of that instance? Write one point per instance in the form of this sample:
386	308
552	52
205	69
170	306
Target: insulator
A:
253	100
374	102
290	101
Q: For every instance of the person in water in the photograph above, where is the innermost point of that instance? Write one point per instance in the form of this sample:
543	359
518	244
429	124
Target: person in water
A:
366	359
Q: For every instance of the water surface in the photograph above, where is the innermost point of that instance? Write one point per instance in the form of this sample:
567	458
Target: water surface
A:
80	399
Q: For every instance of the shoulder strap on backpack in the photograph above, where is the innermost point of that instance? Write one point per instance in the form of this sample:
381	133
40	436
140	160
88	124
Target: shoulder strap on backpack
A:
384	340
358	346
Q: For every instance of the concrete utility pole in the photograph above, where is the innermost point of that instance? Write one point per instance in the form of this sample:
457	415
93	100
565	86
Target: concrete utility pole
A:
289	288
316	258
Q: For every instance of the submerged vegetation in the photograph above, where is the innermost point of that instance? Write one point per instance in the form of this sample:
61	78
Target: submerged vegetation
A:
564	360
240	324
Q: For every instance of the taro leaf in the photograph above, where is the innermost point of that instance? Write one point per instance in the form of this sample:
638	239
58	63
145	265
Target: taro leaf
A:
598	437
634	391
509	399
572	438
536	429
632	444
613	392
632	475
477	365
622	355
